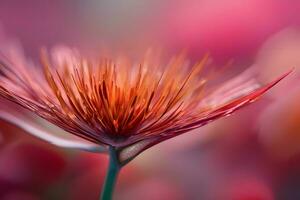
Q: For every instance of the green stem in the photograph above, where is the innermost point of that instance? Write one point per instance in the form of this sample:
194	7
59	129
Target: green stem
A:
111	176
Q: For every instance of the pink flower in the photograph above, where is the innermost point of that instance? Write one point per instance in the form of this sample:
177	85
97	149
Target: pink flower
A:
128	106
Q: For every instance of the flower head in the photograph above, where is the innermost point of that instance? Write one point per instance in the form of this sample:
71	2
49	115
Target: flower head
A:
130	106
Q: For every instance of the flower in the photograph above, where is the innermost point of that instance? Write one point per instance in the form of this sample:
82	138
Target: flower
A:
130	107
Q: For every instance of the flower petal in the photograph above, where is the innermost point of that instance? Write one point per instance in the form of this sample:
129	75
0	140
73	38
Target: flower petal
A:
72	142
131	151
236	87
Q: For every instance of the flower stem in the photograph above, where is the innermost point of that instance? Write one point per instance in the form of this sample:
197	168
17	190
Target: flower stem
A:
111	176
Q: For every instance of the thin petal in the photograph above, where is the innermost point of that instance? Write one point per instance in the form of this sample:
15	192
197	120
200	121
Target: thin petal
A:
71	143
234	88
128	153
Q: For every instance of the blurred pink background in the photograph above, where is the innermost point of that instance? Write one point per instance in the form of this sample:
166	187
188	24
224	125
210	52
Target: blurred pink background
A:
252	155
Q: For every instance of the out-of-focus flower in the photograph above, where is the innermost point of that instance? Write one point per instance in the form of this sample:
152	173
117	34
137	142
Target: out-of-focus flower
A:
116	103
279	126
279	123
279	53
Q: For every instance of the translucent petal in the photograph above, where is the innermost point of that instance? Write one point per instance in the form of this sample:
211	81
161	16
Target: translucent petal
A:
29	126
